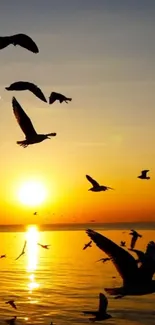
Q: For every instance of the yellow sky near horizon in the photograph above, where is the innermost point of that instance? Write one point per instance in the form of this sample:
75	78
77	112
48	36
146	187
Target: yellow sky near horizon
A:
102	57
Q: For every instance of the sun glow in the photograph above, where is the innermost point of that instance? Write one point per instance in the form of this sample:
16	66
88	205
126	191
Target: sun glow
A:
32	193
32	236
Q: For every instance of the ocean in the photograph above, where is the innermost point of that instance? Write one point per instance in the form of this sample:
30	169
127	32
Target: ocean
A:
58	283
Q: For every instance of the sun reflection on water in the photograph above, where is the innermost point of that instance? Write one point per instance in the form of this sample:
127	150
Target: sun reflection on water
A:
32	236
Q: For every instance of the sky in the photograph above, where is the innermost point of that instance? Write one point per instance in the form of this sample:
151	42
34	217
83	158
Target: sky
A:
100	53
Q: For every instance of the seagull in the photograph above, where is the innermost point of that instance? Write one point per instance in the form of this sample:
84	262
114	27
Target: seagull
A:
26	125
56	96
104	259
44	246
19	39
87	245
123	243
35	213
134	238
11	303
96	186
144	174
2	256
11	321
101	314
23	251
25	85
136	281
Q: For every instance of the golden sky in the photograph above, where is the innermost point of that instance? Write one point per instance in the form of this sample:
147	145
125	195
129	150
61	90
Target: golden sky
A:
101	55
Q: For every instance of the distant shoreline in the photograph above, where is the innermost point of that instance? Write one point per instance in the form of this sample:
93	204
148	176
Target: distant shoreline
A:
81	226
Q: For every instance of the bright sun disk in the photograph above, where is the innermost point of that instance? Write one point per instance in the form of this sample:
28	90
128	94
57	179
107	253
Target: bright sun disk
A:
32	193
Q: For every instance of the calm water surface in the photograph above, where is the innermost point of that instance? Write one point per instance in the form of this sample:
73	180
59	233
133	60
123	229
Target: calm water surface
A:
59	283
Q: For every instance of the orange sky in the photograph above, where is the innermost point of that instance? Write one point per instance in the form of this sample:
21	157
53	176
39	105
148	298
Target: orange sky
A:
102	57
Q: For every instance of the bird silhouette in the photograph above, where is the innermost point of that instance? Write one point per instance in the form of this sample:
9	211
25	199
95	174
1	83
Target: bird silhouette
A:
96	186
101	314
61	98
87	245
136	281
11	321
44	246
22	40
25	85
144	174
134	238
123	243
22	252
2	256
35	213
105	259
11	303
26	125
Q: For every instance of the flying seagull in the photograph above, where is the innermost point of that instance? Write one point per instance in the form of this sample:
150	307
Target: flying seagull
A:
21	40
136	281
123	243
87	245
44	246
23	251
134	238
35	213
25	85
101	314
27	127
11	321
105	259
61	98
96	186
144	174
11	303
2	256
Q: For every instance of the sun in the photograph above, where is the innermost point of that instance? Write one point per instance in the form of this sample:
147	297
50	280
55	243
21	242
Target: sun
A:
32	193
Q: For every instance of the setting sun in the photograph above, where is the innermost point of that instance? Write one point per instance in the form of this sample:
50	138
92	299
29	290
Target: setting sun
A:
32	193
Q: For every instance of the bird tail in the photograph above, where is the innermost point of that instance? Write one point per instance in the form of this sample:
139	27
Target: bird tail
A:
23	144
69	99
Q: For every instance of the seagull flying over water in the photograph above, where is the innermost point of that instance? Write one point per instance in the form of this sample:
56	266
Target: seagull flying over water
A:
134	238
44	246
11	303
105	259
22	40
27	127
101	314
136	281
25	85
96	186
23	251
11	321
144	174
87	245
61	98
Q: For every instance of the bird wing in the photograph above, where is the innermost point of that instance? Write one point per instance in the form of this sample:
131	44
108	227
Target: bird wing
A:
92	181
144	172
124	262
13	305
25	85
25	41
23	120
133	241
4	42
140	254
23	250
103	303
19	256
53	97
